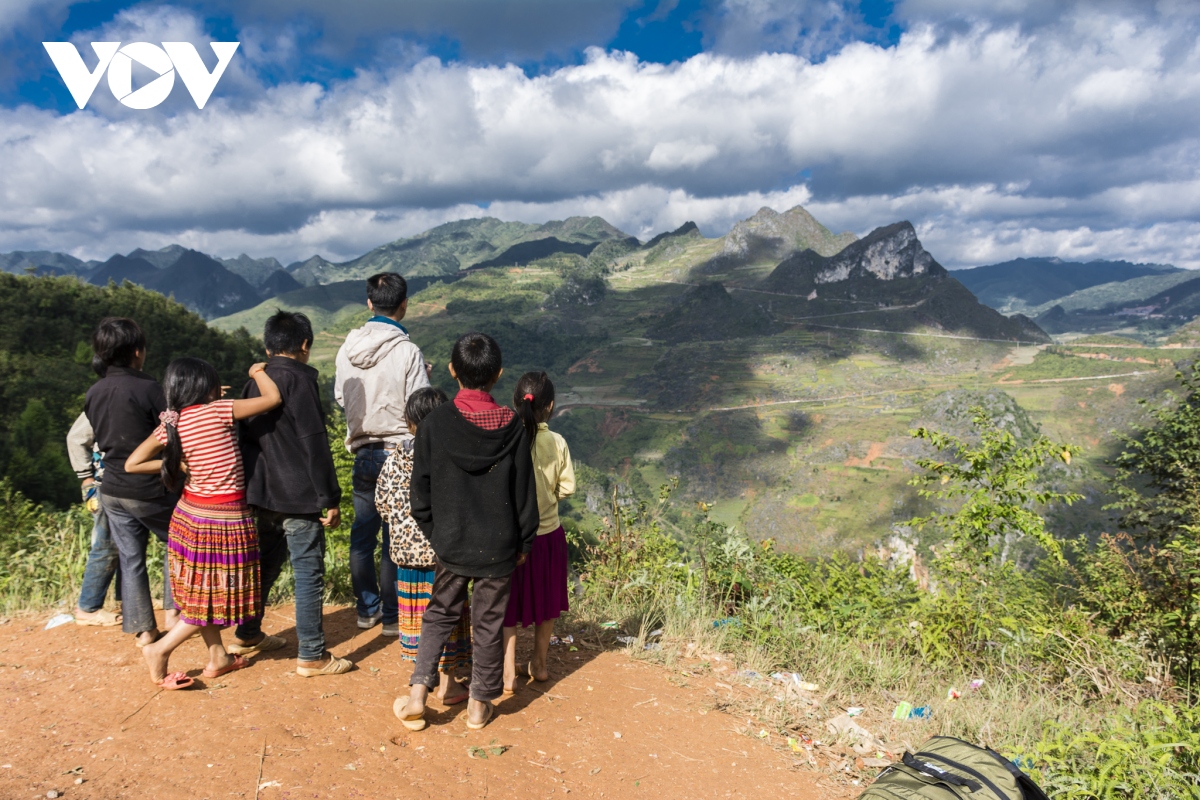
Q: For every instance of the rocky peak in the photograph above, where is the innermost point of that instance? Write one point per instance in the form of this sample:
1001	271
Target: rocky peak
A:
773	235
887	253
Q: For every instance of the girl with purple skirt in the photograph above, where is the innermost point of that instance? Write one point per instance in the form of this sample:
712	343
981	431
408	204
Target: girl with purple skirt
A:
540	585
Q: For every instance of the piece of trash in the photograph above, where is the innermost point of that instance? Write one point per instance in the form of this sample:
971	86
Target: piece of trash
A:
568	639
876	763
809	687
721	623
351	767
763	734
616	734
953	694
921	712
594	771
656	632
902	711
611	624
862	741
652	646
854	711
1023	763
269	785
749	673
626	639
795	745
58	619
572	649
976	684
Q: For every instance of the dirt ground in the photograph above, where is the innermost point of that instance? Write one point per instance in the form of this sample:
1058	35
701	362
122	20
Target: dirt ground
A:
77	703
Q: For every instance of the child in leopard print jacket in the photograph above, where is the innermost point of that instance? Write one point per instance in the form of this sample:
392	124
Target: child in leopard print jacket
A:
414	557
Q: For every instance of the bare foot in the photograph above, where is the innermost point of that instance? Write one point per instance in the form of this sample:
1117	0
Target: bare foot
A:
147	638
169	619
156	660
416	702
539	672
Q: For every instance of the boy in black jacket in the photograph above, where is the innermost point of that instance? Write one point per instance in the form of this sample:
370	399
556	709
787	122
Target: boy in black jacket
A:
474	497
291	482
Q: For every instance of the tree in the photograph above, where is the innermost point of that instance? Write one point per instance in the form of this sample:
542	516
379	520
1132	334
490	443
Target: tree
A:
1000	483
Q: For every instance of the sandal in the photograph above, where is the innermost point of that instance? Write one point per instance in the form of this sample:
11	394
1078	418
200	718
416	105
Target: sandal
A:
238	663
176	680
99	619
478	726
455	699
527	672
336	666
414	722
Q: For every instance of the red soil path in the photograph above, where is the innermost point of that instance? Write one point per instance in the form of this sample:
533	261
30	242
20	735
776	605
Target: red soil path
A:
75	697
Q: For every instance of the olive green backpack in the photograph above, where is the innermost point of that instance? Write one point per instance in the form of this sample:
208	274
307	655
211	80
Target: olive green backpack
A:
946	768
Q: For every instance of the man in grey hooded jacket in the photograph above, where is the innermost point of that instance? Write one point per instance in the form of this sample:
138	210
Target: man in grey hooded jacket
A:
378	367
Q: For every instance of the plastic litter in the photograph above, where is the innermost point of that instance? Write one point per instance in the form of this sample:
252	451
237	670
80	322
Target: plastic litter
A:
654	633
854	711
763	734
611	624
568	639
862	741
953	694
749	673
626	639
721	623
1023	763
58	619
976	684
921	712
903	711
655	646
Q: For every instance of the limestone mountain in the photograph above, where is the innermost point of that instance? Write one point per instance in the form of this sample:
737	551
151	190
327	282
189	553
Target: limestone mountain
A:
890	270
464	244
161	258
708	312
256	271
194	279
42	262
769	235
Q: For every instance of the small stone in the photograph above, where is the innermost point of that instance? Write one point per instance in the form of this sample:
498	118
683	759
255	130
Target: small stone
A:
52	794
616	734
79	781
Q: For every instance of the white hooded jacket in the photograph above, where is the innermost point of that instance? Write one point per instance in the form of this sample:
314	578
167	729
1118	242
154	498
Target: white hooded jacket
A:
378	367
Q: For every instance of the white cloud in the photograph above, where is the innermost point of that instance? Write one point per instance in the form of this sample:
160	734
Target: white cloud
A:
989	138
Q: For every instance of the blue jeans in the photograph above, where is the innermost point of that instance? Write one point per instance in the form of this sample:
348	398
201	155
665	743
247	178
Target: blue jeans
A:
101	568
130	523
365	540
302	539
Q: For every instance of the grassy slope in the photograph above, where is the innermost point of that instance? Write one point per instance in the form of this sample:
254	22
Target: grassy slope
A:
801	435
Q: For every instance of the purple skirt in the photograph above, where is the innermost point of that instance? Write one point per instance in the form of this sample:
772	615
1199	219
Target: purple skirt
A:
539	586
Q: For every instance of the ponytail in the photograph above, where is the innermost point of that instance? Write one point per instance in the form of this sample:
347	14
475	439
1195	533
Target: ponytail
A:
532	397
172	457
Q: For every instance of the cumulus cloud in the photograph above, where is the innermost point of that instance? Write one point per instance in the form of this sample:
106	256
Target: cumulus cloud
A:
990	138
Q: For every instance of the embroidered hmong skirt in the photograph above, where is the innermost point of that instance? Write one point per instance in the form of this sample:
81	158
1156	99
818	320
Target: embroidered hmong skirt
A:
413	587
213	555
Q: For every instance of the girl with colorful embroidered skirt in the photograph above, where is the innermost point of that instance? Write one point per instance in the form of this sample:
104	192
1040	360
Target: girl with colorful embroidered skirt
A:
540	585
212	546
414	558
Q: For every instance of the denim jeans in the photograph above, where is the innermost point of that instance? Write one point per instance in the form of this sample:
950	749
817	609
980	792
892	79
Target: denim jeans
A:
364	541
101	568
130	523
302	538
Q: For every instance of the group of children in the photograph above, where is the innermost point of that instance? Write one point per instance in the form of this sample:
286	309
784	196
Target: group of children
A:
468	501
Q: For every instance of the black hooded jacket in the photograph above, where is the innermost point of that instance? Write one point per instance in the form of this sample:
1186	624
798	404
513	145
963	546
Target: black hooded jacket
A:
473	493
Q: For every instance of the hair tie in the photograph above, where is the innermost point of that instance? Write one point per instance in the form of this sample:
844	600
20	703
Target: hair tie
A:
529	398
169	418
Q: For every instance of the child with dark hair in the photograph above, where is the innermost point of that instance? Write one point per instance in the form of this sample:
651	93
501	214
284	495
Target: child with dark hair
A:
473	495
414	557
292	484
540	585
213	546
123	408
377	368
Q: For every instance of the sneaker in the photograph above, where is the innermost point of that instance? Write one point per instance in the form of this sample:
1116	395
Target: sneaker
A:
391	629
366	623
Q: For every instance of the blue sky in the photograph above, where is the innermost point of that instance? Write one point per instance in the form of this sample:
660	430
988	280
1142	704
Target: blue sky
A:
1000	129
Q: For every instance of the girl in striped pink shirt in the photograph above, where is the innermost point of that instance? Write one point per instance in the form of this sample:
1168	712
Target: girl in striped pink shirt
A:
212	544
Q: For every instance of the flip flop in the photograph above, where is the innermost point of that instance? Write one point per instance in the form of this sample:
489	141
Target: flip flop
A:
99	619
527	672
478	726
414	722
238	663
336	666
176	680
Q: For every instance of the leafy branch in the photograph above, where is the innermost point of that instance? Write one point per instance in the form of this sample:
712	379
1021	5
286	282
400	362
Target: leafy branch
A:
999	483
